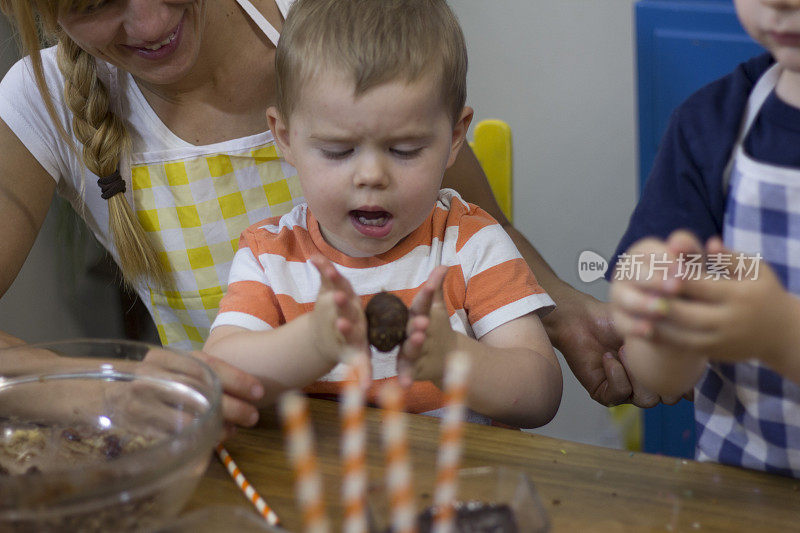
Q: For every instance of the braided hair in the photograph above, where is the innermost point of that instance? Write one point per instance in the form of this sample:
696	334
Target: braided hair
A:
101	133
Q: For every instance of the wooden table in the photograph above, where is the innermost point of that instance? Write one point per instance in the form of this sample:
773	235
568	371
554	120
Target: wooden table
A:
582	487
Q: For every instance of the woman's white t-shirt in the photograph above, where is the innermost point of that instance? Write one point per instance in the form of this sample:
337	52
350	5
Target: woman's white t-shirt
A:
193	201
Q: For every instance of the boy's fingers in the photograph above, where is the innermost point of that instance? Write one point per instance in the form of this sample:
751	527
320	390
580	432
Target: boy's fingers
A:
405	375
641	397
422	302
412	346
418	323
431	291
716	246
680	338
649	266
410	351
670	400
683	242
694	315
737	265
720	259
330	277
405	370
421	305
324	267
709	291
627	324
633	301
436	280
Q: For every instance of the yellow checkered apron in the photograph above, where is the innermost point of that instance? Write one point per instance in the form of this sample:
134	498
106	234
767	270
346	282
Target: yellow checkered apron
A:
194	210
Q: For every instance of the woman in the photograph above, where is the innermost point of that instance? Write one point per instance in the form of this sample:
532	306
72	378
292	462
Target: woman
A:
162	102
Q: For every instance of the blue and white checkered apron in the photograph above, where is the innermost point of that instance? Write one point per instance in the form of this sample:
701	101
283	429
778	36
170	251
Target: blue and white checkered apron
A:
746	414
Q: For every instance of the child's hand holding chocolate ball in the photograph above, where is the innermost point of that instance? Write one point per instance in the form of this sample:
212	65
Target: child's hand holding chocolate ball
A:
423	331
342	330
338	323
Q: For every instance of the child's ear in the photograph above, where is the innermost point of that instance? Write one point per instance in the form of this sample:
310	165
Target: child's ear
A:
459	134
280	131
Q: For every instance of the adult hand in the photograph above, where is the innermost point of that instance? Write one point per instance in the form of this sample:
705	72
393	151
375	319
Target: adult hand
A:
241	392
582	329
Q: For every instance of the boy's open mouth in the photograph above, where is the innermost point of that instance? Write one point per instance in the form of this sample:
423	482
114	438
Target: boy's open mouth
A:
371	218
375	224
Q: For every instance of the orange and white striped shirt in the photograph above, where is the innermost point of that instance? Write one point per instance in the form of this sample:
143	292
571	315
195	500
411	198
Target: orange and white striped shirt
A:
488	283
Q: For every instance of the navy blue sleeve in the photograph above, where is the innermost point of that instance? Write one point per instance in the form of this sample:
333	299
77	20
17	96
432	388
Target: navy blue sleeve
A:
684	188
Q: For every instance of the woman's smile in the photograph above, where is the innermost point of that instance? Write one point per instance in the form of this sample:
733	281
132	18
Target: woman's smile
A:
161	49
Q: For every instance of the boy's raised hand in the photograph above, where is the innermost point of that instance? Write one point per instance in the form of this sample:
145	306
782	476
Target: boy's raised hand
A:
720	317
339	327
429	336
640	296
732	317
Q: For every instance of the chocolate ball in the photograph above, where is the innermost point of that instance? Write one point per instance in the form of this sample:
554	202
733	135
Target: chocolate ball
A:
387	316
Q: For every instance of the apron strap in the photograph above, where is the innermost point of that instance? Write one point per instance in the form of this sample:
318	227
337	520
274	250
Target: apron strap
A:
260	20
762	89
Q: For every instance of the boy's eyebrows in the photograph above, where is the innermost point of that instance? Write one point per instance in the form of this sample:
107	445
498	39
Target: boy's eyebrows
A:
333	137
420	136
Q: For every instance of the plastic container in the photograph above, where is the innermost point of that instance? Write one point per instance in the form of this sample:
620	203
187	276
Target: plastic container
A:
99	435
486	496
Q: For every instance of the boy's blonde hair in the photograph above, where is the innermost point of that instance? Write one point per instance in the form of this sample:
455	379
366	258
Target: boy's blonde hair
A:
99	130
374	41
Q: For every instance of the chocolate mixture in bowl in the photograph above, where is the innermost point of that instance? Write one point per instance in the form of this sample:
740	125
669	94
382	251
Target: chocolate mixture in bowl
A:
30	449
474	517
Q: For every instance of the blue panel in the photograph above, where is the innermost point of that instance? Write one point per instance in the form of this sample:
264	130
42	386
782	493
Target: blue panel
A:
669	429
681	46
685	61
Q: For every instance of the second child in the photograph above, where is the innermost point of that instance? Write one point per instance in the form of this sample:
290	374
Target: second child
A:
728	171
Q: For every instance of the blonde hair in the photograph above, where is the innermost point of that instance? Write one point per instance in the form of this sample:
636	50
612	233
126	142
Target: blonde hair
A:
99	130
374	41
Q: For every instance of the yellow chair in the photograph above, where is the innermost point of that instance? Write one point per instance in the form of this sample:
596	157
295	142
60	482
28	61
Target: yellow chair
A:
492	147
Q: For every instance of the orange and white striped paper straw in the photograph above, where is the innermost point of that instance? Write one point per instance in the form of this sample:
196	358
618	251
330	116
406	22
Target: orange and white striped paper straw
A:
398	466
300	447
450	443
249	492
354	434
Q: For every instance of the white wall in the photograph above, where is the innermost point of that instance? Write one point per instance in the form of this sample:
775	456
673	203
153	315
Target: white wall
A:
561	73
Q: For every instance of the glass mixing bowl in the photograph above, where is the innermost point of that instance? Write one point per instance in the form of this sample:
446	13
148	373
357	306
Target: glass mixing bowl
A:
99	435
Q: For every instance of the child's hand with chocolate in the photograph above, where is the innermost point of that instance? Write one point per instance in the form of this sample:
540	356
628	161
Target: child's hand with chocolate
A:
339	327
429	336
